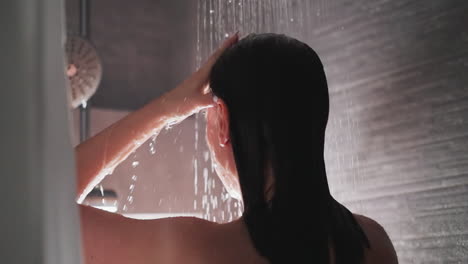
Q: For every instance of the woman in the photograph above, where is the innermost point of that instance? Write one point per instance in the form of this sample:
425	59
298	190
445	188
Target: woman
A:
266	116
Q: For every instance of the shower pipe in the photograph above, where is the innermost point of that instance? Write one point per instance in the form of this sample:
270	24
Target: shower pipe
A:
84	33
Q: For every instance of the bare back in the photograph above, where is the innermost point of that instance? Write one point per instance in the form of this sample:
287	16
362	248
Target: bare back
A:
230	243
112	238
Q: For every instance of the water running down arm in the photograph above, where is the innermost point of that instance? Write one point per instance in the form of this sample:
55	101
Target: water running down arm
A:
99	155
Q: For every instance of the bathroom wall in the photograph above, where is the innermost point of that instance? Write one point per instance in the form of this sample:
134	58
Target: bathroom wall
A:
146	47
160	179
163	170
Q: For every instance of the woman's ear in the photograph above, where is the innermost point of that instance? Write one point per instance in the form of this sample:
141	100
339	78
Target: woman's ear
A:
223	122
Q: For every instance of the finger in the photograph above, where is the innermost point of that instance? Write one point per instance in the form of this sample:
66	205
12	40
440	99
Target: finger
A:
202	74
226	44
206	89
206	101
229	42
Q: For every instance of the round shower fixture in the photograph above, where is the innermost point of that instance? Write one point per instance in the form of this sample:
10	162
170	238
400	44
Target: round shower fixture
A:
84	69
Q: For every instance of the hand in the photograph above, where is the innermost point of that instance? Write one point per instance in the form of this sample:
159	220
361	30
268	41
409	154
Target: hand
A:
193	94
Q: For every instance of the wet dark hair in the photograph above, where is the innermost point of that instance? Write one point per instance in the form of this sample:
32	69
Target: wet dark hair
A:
276	93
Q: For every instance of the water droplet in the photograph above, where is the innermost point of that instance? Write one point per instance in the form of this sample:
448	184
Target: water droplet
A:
134	177
196	183
152	143
205	179
152	148
211	11
135	164
130	199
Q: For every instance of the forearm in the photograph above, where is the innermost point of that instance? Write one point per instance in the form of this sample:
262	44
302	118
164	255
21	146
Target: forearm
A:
99	155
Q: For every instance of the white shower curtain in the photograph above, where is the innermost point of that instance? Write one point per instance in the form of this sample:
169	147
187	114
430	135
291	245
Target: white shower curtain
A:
39	222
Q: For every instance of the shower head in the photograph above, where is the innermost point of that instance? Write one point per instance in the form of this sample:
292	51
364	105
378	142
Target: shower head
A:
84	69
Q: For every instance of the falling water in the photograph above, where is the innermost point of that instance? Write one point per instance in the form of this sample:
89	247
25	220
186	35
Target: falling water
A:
134	177
218	19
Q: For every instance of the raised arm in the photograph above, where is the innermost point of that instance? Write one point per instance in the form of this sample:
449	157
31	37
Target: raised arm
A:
100	154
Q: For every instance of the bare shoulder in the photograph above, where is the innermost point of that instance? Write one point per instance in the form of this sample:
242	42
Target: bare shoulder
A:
113	238
193	236
193	226
382	250
208	242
